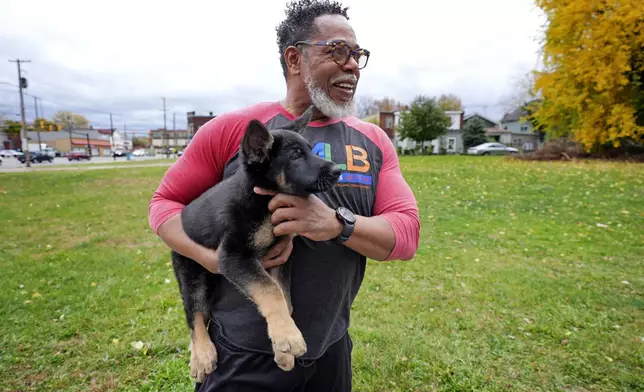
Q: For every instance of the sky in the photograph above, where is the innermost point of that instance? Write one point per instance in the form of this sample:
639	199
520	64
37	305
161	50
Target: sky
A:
122	57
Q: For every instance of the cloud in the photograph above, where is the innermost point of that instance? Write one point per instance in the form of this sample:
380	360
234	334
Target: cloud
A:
123	56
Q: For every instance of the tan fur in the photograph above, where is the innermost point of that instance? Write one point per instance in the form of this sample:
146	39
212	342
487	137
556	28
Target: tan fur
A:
264	235
282	184
286	338
203	354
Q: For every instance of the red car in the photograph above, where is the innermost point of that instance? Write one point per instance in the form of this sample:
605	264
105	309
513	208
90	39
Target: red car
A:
77	156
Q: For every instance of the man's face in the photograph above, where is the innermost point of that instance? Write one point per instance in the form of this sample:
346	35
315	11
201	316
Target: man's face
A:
331	86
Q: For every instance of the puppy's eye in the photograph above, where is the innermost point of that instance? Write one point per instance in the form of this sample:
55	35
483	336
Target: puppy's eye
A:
297	154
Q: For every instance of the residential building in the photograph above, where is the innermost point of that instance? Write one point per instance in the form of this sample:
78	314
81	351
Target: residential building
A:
195	122
517	131
169	139
449	143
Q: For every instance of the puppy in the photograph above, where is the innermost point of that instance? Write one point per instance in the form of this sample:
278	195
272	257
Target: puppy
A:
232	218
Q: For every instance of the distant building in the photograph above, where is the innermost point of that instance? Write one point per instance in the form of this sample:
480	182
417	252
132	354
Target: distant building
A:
92	141
169	139
195	122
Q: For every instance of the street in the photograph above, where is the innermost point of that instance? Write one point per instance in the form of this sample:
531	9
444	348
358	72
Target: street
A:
11	163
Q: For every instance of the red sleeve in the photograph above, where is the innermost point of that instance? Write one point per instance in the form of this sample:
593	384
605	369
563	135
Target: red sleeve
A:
198	169
396	202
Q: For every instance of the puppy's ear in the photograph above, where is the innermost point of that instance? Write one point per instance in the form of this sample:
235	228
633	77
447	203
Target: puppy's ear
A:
257	142
299	125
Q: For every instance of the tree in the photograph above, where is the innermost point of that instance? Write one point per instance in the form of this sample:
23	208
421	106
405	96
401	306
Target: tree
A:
366	106
11	127
69	120
44	125
424	121
474	133
450	102
593	61
140	142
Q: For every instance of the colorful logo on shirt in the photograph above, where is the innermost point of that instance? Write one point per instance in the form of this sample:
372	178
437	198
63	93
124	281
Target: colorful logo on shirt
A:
357	163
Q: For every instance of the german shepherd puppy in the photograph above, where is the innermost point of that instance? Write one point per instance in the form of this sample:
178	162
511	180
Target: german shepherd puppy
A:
232	218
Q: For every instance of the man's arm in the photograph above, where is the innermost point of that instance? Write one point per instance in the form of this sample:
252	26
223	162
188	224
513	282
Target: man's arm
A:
200	168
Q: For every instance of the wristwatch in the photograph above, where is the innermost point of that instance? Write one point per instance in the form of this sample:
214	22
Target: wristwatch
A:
348	220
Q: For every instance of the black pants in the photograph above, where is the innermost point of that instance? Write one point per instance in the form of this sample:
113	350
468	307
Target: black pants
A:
242	371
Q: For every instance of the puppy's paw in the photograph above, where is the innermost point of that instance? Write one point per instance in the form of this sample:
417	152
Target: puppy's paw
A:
288	343
285	361
203	360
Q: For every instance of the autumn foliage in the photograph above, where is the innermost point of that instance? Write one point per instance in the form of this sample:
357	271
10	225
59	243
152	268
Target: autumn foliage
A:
591	86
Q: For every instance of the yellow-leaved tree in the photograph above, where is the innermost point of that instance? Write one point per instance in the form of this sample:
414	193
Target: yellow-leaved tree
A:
591	84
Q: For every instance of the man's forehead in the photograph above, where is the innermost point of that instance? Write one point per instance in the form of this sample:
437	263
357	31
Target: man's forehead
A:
335	28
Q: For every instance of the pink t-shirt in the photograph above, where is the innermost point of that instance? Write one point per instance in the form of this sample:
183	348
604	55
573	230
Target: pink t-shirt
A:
371	183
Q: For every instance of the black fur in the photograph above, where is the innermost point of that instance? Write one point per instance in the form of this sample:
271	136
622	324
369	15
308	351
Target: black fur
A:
229	215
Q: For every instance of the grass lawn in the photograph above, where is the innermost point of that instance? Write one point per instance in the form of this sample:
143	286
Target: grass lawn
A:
529	277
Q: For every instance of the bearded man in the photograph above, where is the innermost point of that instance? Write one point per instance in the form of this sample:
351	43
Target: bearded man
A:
370	213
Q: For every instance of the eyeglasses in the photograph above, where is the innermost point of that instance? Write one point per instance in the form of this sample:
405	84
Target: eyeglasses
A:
341	52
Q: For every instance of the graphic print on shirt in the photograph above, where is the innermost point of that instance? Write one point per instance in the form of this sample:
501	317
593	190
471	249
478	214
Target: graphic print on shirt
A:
354	171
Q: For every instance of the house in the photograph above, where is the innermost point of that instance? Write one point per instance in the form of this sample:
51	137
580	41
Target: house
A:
116	139
90	141
517	131
450	143
195	122
164	139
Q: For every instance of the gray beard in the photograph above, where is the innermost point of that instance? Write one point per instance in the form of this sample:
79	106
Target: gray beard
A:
325	104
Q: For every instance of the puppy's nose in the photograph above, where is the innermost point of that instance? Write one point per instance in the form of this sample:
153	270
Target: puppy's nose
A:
336	171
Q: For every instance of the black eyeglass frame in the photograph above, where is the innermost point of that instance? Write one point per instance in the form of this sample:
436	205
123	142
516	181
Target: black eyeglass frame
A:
353	52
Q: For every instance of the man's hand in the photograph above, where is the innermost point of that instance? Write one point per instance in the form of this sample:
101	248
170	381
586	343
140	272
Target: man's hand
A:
279	253
305	216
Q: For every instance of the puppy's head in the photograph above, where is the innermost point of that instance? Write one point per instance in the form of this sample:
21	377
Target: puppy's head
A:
282	160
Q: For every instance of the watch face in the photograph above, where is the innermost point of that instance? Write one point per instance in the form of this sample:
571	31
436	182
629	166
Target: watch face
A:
347	215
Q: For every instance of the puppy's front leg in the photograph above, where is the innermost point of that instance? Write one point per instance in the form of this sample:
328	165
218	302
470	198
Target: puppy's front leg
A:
243	268
282	274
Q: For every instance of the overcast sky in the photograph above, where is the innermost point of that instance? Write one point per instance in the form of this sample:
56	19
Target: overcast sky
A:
123	56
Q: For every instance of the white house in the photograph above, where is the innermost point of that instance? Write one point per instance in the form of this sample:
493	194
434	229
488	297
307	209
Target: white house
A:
451	142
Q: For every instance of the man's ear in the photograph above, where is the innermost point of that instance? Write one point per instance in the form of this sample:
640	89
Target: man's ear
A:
300	123
257	142
292	57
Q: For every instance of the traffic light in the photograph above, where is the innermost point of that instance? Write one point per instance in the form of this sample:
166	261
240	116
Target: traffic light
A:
23	83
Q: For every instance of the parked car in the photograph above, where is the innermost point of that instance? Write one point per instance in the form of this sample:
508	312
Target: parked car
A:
491	149
36	156
10	153
77	156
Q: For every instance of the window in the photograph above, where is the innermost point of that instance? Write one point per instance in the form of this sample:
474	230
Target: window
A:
389	122
451	142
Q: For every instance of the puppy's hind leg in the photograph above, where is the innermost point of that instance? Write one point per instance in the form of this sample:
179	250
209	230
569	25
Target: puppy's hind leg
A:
192	278
242	267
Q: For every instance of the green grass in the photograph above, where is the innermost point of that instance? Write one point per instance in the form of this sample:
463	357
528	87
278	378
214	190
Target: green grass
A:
529	277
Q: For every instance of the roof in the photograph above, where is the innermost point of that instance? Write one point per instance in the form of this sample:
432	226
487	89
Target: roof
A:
64	134
470	116
517	113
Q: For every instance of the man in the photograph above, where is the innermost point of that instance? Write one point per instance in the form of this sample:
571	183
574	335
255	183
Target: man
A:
321	62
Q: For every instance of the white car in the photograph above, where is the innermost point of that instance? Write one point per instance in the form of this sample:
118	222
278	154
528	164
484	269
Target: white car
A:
491	149
9	153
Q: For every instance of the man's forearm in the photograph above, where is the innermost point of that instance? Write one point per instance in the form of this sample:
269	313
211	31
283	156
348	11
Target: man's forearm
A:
372	237
172	233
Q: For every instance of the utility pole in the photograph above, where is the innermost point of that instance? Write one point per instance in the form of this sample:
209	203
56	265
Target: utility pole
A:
38	129
23	133
112	131
164	126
